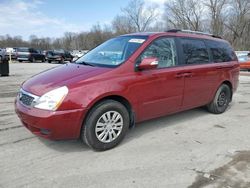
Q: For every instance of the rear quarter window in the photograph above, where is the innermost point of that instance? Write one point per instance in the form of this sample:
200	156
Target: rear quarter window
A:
221	51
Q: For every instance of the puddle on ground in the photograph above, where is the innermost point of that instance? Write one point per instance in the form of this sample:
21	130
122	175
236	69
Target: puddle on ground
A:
235	174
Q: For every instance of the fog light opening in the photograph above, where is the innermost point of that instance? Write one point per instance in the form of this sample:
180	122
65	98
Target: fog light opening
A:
45	131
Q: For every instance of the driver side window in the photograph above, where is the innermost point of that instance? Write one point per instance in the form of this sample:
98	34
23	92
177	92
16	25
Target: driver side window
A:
164	49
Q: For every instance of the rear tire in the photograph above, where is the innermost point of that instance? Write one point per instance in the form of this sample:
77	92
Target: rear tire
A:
49	61
221	100
106	125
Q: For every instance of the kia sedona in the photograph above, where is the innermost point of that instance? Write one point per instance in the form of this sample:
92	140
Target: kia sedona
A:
129	79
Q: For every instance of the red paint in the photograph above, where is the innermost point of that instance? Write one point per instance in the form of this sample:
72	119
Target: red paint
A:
151	93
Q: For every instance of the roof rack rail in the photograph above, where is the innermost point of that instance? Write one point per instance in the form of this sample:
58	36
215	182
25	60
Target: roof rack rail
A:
192	32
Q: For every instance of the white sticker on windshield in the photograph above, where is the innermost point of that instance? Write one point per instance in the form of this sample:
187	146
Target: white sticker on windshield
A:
137	40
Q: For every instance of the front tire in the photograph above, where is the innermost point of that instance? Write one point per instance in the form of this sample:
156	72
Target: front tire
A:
221	100
105	125
33	60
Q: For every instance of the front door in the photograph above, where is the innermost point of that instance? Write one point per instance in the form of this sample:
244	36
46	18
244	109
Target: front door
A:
160	90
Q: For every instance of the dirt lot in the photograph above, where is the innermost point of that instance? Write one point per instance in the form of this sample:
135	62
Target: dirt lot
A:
189	149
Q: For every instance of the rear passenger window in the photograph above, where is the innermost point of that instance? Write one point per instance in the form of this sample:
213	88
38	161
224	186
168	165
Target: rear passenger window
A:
221	51
195	51
164	49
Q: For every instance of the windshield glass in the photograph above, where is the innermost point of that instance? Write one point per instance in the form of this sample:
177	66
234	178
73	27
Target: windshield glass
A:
113	52
58	51
23	49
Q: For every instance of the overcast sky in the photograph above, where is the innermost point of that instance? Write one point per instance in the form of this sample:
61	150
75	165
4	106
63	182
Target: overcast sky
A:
51	18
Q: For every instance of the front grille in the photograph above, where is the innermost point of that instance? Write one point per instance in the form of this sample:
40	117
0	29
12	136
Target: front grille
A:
26	99
23	56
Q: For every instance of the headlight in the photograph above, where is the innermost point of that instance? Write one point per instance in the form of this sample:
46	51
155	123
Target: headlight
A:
52	99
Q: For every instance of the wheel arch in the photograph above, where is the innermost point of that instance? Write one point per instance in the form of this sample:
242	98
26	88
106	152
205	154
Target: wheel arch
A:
117	98
230	85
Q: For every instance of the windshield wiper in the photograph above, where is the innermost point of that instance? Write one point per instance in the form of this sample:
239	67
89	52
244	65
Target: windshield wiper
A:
86	63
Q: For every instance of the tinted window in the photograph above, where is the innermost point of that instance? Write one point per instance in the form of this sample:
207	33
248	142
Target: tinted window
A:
164	49
221	51
195	51
34	51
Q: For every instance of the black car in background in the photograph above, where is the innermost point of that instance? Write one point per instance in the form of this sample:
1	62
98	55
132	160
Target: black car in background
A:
29	54
58	56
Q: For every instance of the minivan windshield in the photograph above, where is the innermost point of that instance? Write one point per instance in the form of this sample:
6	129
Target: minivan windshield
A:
112	52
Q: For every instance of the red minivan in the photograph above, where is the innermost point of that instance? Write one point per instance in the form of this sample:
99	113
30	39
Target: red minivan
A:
128	79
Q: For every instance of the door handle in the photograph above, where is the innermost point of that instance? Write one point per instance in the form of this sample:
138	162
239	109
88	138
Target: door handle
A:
184	74
179	75
224	67
219	67
188	74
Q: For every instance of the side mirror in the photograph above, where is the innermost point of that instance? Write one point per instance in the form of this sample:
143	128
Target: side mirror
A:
148	63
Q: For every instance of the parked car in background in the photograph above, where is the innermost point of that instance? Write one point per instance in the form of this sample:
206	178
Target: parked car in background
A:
29	54
78	53
129	79
244	60
59	56
11	51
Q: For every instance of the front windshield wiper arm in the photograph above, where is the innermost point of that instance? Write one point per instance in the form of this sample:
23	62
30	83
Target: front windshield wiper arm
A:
86	63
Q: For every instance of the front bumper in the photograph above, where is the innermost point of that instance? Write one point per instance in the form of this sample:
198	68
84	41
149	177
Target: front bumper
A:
53	125
23	58
54	59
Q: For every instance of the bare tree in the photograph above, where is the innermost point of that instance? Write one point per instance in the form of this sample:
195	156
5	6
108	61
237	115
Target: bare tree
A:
139	16
122	25
184	14
228	18
238	23
217	15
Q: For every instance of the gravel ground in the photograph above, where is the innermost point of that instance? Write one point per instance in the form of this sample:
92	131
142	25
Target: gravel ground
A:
189	149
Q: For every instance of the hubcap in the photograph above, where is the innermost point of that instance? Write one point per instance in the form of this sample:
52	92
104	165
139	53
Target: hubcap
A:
109	126
222	99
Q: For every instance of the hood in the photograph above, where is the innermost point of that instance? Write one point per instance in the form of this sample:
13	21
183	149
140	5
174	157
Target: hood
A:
61	76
